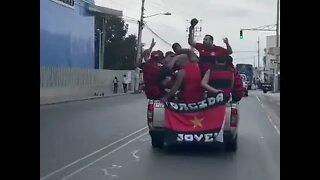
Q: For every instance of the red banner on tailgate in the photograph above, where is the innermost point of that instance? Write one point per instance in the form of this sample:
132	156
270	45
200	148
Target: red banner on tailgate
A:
204	115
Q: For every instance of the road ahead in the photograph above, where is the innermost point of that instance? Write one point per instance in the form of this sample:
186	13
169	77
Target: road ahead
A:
107	139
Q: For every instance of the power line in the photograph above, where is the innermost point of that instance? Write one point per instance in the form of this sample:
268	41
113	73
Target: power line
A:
166	42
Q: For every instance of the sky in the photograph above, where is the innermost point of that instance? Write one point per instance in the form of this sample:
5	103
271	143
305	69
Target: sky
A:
220	18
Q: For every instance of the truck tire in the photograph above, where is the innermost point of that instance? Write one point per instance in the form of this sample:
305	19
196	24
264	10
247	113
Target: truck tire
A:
265	91
231	145
156	142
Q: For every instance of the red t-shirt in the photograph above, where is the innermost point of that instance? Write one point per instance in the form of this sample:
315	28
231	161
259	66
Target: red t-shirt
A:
222	78
192	90
208	54
151	71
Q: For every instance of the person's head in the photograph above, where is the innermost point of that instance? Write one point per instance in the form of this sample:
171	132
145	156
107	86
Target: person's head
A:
124	75
157	56
229	61
208	40
169	53
116	77
161	55
168	59
176	47
221	61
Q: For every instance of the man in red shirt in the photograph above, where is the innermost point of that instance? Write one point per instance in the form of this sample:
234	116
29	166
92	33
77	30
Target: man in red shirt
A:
151	70
188	80
207	50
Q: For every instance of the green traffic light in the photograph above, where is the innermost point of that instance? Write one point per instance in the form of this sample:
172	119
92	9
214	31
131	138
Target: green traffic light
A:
241	34
241	37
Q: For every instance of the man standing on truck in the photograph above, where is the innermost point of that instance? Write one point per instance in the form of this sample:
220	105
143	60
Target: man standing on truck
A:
165	76
207	50
151	71
223	76
188	80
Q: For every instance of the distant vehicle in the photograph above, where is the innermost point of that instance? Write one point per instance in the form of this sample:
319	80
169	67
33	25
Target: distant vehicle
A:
266	86
245	83
246	69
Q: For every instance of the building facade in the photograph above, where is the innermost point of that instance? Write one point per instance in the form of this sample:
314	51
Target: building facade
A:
67	32
68	48
269	61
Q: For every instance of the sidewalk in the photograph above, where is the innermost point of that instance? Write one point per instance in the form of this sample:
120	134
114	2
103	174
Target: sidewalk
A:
58	100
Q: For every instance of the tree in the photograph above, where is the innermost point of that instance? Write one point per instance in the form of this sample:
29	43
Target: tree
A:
120	51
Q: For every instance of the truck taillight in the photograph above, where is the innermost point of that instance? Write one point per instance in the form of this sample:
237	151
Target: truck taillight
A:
150	113
234	117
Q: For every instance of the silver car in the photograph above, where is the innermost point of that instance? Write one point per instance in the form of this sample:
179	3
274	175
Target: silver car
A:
157	129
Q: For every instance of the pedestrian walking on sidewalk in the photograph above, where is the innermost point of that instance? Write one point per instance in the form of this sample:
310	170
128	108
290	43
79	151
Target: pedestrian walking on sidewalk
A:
125	83
115	85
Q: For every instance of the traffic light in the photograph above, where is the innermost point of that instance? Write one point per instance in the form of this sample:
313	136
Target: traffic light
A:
241	34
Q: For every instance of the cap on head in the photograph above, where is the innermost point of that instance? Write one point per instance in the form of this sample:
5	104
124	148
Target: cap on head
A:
161	55
157	54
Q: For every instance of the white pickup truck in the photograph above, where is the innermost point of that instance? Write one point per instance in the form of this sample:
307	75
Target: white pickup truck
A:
157	129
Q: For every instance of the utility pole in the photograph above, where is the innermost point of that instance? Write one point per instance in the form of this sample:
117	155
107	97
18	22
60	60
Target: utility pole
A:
136	84
275	77
100	59
103	41
258	53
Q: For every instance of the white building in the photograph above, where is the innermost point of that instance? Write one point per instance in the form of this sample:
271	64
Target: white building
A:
269	61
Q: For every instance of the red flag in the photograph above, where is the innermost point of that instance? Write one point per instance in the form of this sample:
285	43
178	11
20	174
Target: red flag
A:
205	115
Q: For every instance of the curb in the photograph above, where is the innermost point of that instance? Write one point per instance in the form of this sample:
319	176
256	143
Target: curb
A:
84	99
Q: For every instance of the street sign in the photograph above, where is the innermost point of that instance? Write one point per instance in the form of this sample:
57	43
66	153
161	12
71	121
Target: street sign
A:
273	60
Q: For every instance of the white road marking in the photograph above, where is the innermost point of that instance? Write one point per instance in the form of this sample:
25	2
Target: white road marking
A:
278	131
134	154
105	172
114	166
118	148
74	162
269	118
258	99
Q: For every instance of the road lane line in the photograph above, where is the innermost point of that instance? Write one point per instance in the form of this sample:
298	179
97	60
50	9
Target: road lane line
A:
74	162
261	104
274	125
258	99
269	118
278	131
118	148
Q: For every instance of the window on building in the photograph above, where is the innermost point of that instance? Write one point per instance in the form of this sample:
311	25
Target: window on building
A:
69	3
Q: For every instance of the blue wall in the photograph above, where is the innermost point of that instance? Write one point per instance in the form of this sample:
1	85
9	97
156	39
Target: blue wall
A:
66	35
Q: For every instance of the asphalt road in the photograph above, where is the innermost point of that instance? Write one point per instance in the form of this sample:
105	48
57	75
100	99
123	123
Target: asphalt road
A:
107	139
